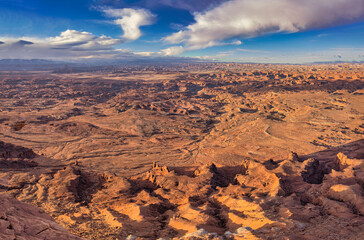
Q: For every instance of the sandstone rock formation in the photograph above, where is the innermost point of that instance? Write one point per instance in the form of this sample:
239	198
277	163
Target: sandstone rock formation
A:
23	221
293	199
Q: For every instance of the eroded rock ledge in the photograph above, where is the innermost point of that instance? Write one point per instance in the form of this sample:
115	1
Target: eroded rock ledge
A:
294	198
23	221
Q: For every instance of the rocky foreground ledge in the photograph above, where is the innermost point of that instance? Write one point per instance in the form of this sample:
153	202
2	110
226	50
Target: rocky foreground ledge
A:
296	198
23	221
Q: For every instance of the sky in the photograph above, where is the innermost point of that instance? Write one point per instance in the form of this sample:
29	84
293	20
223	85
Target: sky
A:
262	31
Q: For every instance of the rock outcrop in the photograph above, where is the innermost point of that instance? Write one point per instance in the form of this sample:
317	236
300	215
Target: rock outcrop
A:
23	221
273	199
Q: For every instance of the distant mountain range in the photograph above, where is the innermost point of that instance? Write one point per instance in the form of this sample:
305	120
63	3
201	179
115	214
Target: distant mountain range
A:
43	64
29	64
333	62
29	61
46	65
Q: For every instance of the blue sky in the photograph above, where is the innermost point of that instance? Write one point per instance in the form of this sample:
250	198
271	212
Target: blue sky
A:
280	31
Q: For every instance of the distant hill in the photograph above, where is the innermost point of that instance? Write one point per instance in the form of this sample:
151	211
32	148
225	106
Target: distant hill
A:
337	62
85	64
29	64
94	65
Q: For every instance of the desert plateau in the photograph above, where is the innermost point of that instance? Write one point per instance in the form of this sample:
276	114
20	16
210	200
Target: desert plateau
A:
183	151
182	120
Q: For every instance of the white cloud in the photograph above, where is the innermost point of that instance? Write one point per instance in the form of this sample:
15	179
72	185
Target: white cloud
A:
82	40
76	45
69	44
131	20
173	51
147	54
246	18
176	50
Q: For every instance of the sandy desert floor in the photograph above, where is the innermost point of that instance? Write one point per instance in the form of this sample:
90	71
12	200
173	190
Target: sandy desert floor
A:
195	151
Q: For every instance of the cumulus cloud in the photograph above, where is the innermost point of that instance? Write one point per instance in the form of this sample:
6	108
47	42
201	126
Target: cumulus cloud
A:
131	20
69	44
82	40
173	51
77	45
176	50
245	18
